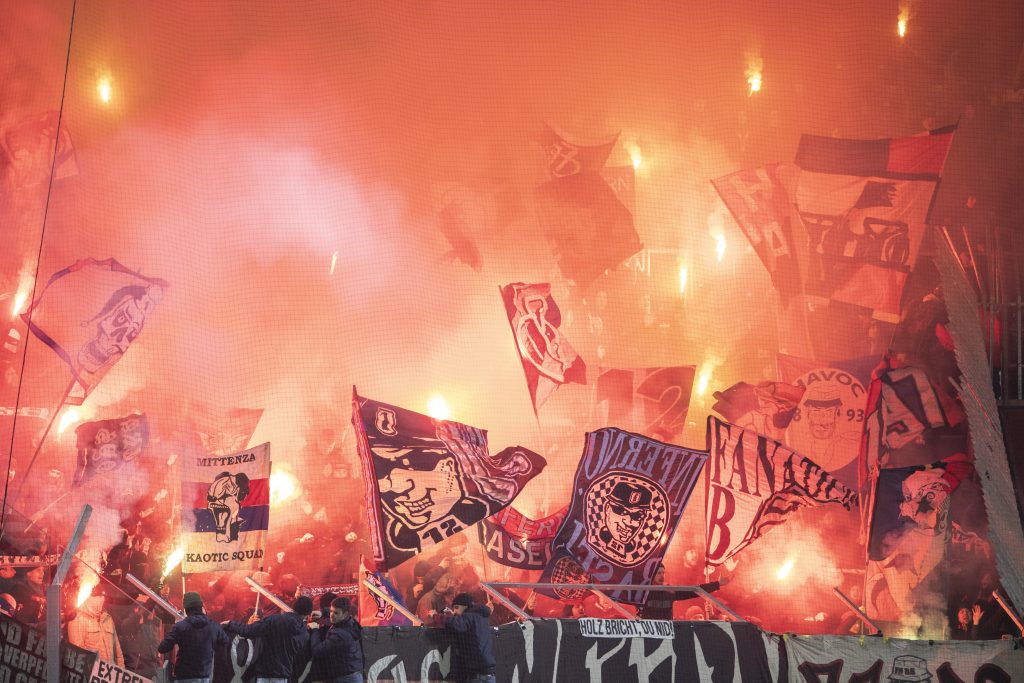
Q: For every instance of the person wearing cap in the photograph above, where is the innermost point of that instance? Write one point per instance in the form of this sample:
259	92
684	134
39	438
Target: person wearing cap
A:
473	645
625	512
196	636
338	650
659	603
283	636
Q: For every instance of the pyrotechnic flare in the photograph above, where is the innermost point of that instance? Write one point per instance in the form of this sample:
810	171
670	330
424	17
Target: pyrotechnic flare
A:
68	418
103	88
85	589
438	408
173	560
283	487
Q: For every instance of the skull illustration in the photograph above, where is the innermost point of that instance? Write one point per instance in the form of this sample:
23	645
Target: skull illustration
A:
117	325
224	500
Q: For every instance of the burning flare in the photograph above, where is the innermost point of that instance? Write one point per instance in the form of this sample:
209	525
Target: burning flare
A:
438	408
754	72
85	589
635	157
103	87
901	22
785	569
283	487
173	560
70	417
334	262
719	246
19	303
707	369
682	279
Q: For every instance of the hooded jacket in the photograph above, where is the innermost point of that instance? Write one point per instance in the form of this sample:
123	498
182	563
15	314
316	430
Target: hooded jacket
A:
196	637
473	643
282	636
337	651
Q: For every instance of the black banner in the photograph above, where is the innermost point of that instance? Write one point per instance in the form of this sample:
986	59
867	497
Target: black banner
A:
24	656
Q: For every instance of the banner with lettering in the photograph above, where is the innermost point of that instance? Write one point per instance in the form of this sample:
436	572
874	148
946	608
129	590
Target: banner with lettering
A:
628	495
754	483
426	480
226	510
514	540
338	589
108	672
24	656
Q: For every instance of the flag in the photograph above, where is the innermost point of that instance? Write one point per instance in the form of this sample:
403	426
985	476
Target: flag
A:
909	533
565	158
105	445
223	430
89	314
338	589
829	419
226	510
650	401
426	480
590	228
373	610
622	180
904	409
863	206
753	484
766	408
453	226
29	146
628	496
548	359
514	540
760	205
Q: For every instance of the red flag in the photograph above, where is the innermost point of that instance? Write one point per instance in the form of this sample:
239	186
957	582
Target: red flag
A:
89	314
548	359
651	401
373	609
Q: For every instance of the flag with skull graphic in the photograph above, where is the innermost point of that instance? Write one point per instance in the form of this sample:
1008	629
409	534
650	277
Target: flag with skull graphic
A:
548	359
628	496
89	313
226	510
428	479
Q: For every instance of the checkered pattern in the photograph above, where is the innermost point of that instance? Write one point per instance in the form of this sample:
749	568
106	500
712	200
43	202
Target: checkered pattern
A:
646	539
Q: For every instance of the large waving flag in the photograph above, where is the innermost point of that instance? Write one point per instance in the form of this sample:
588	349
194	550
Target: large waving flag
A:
514	540
426	479
759	203
651	401
223	430
755	483
566	158
89	314
628	496
226	510
105	445
29	146
863	206
548	359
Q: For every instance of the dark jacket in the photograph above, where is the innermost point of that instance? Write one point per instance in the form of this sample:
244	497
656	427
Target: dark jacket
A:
659	603
282	636
472	643
337	651
196	637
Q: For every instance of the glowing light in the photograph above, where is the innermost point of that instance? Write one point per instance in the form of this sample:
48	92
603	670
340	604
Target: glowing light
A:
85	589
682	279
437	408
173	560
70	417
719	247
754	72
754	81
19	302
785	569
104	89
283	487
704	380
901	22
334	261
634	155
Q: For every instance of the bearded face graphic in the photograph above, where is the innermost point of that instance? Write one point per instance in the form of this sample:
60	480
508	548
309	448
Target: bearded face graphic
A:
224	501
117	325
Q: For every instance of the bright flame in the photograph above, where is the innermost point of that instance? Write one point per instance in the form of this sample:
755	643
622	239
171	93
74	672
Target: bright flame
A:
173	560
707	370
85	589
901	22
104	89
785	569
634	155
283	487
334	261
682	279
70	417
719	247
754	72
754	80
19	302
437	408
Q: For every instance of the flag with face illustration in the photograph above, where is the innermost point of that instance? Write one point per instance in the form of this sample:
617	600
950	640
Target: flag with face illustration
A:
548	359
90	313
628	496
373	609
427	479
755	483
226	510
105	445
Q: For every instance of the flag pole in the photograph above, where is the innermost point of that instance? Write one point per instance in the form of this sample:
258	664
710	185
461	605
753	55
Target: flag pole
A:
42	440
